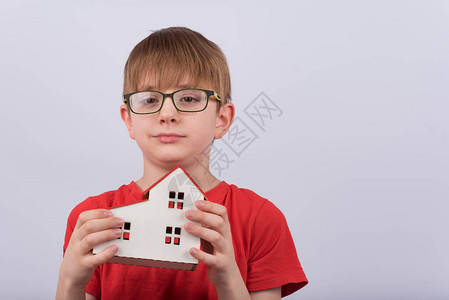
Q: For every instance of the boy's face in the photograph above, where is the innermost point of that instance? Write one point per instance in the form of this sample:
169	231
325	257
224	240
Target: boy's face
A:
169	137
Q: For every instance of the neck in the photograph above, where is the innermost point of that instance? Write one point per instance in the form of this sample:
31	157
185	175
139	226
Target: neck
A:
200	174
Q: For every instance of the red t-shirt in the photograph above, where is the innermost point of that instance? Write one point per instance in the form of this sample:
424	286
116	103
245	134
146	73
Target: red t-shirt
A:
263	246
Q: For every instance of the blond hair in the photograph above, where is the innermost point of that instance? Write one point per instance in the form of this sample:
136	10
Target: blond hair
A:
171	55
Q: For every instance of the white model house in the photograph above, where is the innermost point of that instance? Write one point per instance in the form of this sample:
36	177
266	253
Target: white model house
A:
153	233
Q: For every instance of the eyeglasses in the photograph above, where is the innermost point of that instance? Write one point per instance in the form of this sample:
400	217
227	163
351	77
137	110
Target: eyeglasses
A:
185	100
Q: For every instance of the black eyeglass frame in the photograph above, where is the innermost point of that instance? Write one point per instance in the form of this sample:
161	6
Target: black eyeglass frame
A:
209	93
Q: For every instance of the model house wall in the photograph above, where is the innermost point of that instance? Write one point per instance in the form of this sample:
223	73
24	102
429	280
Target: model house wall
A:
153	233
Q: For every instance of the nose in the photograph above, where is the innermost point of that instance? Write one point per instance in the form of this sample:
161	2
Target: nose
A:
168	112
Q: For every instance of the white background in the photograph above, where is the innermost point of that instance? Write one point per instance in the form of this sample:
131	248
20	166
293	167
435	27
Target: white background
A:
358	161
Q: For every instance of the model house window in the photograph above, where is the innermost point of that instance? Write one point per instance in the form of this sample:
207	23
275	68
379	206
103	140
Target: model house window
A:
172	236
126	231
126	235
175	199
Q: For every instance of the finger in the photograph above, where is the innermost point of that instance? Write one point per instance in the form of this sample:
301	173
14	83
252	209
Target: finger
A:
204	257
212	208
96	225
96	238
210	235
95	260
208	220
92	214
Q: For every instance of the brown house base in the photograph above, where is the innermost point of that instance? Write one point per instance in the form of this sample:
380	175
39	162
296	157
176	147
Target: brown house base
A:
152	263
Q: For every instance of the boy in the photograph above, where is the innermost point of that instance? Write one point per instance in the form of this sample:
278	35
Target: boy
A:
250	254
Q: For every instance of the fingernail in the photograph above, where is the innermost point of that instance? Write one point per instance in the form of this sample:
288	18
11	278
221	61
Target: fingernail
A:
193	251
189	226
119	222
107	214
200	203
114	248
190	214
118	232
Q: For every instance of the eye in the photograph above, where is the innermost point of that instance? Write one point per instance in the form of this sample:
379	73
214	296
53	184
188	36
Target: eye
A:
189	99
150	101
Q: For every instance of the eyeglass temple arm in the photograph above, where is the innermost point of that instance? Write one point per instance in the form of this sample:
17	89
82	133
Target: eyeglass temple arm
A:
217	96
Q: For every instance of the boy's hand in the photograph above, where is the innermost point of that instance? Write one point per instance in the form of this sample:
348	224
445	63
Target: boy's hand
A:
223	271
92	228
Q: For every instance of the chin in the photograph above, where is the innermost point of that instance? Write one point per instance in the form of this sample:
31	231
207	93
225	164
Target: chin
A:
174	159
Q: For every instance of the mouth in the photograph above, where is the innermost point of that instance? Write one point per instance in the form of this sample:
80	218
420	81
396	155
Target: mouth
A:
168	137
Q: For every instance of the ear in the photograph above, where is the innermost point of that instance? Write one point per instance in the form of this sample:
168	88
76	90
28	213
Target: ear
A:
124	112
225	117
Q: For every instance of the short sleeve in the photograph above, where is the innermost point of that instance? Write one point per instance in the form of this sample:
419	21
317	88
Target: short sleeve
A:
273	260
